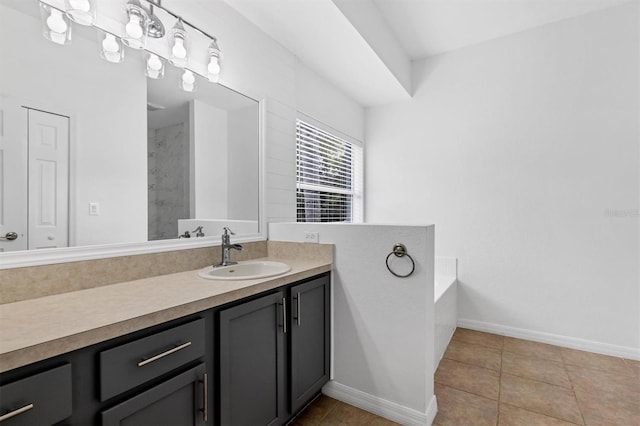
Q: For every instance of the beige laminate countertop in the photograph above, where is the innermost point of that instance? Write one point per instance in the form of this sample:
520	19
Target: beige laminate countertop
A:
36	329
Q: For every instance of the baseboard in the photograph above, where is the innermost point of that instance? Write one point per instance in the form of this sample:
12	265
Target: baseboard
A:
381	407
553	339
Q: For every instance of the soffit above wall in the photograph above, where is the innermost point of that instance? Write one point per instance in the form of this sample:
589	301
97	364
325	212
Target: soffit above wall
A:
365	47
325	40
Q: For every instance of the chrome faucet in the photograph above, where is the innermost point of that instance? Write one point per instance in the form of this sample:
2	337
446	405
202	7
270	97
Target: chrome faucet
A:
227	246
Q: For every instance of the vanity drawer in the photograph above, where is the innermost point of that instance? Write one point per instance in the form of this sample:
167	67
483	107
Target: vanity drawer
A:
132	364
41	399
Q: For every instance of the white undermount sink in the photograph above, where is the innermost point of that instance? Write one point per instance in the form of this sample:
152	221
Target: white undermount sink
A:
245	270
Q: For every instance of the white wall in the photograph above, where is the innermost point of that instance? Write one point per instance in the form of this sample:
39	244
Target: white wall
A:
108	128
383	326
208	143
524	152
318	99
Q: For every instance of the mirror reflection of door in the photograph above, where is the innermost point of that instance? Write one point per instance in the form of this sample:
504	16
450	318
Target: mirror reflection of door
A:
35	205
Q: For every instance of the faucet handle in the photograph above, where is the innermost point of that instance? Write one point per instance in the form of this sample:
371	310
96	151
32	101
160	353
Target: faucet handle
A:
228	231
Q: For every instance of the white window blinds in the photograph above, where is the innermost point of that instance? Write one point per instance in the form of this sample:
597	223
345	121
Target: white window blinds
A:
329	176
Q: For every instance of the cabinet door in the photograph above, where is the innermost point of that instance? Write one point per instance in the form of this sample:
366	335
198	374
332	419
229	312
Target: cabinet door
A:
252	362
180	400
310	340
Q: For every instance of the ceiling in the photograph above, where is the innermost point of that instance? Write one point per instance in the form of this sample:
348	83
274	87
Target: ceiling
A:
430	27
365	47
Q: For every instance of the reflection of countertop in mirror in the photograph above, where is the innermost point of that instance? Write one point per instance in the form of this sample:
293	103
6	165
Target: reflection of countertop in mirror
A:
36	329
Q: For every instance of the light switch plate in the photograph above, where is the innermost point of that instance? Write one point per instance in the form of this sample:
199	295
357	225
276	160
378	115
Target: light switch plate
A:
94	209
311	237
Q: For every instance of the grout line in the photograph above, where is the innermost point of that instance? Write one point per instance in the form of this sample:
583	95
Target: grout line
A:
472	365
573	388
542	414
468	393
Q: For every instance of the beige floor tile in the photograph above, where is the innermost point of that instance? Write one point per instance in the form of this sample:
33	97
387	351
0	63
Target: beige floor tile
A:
458	408
514	416
597	382
535	368
348	415
316	411
478	338
532	349
468	378
596	361
607	411
635	367
481	356
542	398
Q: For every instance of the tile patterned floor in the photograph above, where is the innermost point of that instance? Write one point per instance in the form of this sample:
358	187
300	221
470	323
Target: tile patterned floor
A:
486	379
326	411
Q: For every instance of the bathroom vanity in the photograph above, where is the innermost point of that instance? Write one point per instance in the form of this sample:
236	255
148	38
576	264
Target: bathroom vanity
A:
175	349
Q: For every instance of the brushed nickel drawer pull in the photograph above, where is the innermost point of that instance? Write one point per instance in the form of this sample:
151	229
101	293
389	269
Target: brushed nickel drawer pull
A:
284	315
15	412
205	397
163	354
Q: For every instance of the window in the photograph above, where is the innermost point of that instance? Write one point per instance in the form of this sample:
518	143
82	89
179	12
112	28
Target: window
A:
328	176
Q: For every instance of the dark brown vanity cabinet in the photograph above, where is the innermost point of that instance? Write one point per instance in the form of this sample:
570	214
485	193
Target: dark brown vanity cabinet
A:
156	376
274	354
181	399
252	362
309	340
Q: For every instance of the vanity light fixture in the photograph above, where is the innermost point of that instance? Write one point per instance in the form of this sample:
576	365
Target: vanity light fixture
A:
155	27
155	66
81	12
188	81
179	44
111	48
135	29
140	22
55	25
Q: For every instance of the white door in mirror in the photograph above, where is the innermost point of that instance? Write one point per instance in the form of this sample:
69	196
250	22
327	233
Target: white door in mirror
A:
245	270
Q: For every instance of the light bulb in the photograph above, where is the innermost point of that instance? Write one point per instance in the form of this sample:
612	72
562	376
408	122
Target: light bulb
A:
188	78
56	22
214	65
82	5
178	49
134	27
188	81
109	44
154	63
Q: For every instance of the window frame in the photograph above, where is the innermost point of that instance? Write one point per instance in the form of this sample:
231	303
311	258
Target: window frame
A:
357	171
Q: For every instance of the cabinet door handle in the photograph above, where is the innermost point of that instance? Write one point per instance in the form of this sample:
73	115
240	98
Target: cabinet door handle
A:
163	354
284	315
205	397
298	302
14	413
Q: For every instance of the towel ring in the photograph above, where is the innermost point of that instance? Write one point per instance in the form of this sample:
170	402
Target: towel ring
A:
400	250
